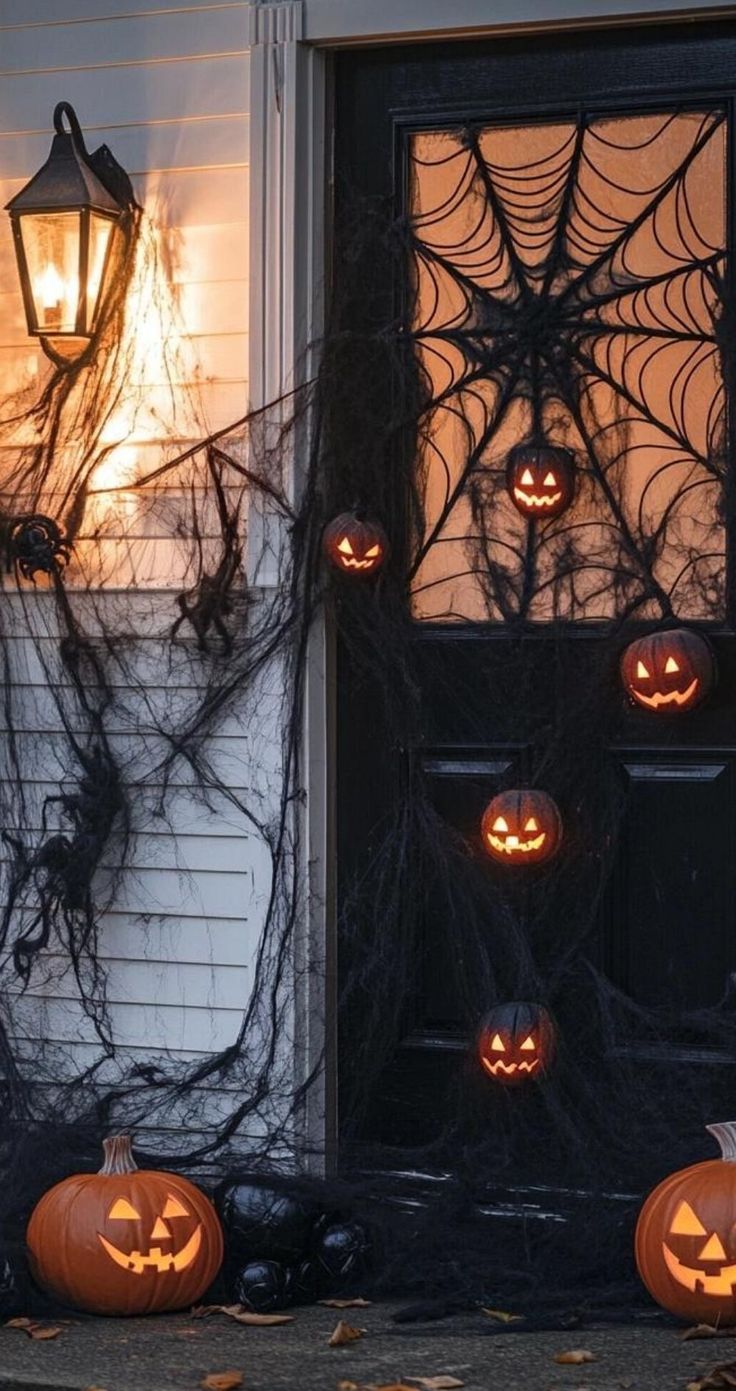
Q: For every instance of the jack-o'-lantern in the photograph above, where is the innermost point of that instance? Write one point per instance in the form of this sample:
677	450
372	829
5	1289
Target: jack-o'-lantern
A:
355	545
540	478
125	1240
686	1237
521	827
668	672
516	1042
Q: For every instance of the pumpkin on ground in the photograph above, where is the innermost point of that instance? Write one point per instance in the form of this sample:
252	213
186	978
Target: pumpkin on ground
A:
686	1237
522	826
516	1042
125	1240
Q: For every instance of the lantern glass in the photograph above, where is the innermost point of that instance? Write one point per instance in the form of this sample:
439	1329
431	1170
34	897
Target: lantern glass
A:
51	245
98	257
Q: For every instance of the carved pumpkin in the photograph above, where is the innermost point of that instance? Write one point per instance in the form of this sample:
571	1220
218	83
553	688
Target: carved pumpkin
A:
516	1043
355	545
686	1237
125	1240
668	672
521	827
540	479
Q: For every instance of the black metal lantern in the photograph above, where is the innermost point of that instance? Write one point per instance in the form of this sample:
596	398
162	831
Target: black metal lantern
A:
63	225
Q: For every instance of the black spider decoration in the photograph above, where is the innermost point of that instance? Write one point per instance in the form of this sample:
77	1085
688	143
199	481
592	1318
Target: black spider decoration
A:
36	543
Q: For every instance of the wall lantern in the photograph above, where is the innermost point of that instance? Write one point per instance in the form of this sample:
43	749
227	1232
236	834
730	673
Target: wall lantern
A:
63	225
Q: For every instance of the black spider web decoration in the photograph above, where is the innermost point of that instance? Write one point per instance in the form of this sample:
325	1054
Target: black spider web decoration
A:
570	284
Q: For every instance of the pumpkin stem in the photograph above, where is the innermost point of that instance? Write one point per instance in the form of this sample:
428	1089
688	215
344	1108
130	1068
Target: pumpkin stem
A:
725	1134
118	1156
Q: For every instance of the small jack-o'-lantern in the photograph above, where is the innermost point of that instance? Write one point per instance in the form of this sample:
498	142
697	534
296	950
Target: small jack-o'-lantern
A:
516	1042
668	672
125	1240
540	478
521	827
686	1237
355	545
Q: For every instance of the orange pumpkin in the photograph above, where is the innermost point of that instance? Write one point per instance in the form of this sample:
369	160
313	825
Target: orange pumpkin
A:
522	826
686	1237
354	544
669	671
125	1240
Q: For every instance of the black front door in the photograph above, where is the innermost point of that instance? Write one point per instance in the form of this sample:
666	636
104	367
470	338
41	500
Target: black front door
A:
541	229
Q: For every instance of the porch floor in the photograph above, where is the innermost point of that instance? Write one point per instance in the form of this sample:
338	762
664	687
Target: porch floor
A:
174	1353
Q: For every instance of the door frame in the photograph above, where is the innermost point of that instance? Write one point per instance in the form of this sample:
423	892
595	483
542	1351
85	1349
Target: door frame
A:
291	143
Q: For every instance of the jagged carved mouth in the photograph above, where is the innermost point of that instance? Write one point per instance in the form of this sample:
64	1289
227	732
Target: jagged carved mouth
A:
697	1280
498	1065
668	697
512	846
349	562
536	499
155	1259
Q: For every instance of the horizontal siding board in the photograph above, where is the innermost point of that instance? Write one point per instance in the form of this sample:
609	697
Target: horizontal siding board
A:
158	1026
223	357
163	983
178	197
199	254
129	39
181	809
22	13
140	148
117	96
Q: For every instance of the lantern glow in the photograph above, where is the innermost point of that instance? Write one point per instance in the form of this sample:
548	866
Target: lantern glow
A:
516	1042
63	222
521	826
668	672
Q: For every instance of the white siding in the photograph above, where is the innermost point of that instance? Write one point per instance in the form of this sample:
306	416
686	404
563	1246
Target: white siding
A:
166	85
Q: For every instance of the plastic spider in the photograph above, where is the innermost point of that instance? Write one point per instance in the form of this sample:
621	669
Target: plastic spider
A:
36	543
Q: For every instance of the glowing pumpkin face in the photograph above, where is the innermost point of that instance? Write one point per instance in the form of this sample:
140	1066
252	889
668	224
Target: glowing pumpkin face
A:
668	672
521	827
686	1237
126	1240
540	479
354	545
516	1043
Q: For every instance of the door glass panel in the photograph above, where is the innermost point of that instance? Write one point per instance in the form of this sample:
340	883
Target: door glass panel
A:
568	278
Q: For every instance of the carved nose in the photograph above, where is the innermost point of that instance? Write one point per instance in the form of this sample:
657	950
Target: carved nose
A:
160	1229
512	842
713	1249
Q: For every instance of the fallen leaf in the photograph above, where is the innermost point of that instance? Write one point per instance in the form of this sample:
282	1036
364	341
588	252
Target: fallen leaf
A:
347	1386
501	1316
345	1304
720	1377
221	1381
343	1333
242	1314
575	1356
436	1383
707	1330
40	1332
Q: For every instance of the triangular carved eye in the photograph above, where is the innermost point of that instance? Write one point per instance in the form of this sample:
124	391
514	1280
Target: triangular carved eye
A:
550	481
713	1249
641	671
122	1208
497	1044
372	553
174	1208
500	824
532	824
344	546
528	1046
527	478
671	666
685	1223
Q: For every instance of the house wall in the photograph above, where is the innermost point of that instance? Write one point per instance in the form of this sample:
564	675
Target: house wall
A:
166	85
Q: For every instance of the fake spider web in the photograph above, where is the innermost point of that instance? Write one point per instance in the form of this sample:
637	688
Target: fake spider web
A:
570	283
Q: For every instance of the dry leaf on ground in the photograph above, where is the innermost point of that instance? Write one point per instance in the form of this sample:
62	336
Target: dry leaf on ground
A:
707	1330
436	1383
723	1376
343	1333
501	1316
241	1314
221	1381
345	1303
575	1356
40	1332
